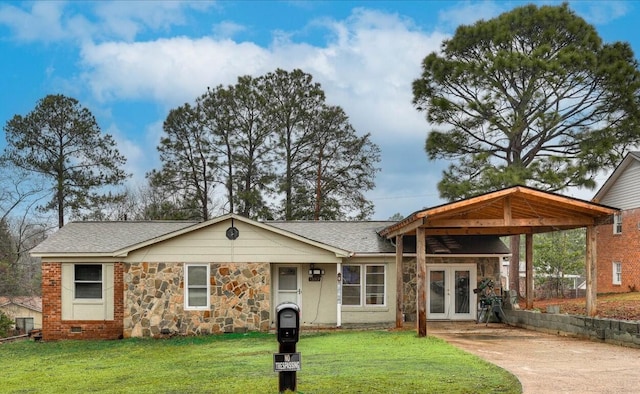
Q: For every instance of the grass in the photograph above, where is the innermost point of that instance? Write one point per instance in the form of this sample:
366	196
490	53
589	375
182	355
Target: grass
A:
335	362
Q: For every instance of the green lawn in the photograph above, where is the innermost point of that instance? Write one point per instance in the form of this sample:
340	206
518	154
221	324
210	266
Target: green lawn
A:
332	362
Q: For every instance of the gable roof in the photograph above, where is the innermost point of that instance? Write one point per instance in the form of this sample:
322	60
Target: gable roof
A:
514	210
630	158
34	303
111	239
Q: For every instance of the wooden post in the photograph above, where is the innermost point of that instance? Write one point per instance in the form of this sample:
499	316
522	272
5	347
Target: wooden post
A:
421	291
592	272
529	268
399	282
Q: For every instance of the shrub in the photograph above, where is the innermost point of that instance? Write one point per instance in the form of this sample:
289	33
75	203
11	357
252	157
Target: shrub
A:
6	325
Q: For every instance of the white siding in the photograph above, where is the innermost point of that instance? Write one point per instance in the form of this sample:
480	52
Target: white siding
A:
625	192
210	244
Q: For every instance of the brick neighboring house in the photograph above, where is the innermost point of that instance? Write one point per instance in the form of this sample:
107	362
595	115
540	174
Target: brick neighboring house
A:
618	243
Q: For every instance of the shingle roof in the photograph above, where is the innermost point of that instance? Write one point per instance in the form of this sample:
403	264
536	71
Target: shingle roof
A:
105	237
33	303
356	237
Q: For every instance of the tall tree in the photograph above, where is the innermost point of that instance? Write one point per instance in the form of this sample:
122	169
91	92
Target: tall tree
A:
339	169
294	102
269	137
531	97
157	202
19	272
188	163
236	119
253	148
8	274
61	141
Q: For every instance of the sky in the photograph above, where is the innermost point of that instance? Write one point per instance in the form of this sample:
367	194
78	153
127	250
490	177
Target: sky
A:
131	62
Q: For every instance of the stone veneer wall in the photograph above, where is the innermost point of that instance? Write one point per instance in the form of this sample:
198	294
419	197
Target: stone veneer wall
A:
154	300
488	267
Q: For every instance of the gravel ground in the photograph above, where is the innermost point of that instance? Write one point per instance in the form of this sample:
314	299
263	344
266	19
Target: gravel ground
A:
547	363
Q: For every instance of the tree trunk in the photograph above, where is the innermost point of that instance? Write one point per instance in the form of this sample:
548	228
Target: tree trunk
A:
318	188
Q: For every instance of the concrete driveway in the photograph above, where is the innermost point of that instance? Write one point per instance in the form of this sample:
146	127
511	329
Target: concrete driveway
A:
547	363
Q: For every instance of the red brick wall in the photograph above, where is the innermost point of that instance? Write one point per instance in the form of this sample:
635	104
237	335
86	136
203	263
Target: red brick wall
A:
54	328
623	248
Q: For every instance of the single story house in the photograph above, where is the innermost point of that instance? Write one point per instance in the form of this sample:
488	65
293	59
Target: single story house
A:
150	279
26	312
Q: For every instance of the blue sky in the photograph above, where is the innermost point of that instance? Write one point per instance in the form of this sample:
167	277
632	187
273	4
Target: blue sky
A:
131	62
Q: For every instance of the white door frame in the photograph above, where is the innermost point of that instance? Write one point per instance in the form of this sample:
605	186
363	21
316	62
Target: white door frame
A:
446	292
291	295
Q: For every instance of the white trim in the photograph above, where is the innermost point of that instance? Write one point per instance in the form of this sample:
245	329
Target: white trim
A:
363	285
617	223
228	217
616	277
207	286
76	281
449	294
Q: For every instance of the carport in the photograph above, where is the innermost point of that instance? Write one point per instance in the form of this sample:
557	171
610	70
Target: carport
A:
512	211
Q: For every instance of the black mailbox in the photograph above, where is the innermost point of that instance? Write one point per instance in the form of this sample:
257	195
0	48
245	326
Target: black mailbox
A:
288	322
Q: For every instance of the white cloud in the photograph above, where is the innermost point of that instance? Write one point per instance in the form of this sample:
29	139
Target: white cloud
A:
168	71
227	29
367	67
127	19
468	13
601	13
53	21
39	23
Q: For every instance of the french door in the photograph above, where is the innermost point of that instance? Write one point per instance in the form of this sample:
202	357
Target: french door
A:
450	295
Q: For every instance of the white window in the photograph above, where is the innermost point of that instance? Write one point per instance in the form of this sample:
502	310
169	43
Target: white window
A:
617	273
363	285
196	286
617	223
88	281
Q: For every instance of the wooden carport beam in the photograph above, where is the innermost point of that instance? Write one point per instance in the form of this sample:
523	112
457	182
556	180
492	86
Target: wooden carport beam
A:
506	207
592	272
529	269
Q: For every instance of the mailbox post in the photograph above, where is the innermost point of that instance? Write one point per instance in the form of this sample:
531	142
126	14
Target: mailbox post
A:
287	362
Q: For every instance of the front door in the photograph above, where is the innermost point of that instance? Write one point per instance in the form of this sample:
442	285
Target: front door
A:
288	283
451	292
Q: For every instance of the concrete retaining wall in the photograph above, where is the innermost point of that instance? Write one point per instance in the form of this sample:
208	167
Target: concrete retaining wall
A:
619	332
